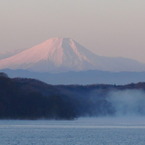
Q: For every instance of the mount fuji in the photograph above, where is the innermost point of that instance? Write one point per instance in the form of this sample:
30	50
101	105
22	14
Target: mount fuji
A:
65	54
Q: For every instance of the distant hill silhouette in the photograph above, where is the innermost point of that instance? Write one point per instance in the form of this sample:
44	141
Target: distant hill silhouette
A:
82	77
22	98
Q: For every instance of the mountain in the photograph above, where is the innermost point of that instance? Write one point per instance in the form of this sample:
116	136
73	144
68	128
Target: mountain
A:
65	54
10	53
81	77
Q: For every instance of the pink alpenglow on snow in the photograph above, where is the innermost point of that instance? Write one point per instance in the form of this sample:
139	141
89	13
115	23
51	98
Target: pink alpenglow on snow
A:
65	54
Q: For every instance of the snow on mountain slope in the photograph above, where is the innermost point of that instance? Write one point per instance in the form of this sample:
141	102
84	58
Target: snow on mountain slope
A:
65	54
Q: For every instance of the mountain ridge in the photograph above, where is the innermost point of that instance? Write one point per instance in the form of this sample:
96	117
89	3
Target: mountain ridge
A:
81	77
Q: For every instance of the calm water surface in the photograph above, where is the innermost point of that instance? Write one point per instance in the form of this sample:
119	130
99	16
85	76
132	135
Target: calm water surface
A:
100	131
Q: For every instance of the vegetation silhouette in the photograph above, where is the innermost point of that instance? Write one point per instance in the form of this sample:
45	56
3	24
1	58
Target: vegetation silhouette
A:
22	98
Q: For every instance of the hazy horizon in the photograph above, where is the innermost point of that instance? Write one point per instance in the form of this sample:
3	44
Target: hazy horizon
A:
108	28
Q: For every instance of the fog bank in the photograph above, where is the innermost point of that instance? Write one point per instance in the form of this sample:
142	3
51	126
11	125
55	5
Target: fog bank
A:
128	102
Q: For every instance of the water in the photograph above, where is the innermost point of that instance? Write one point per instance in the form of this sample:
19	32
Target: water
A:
79	132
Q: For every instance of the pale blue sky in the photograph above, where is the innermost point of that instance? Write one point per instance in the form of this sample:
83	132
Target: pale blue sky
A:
107	27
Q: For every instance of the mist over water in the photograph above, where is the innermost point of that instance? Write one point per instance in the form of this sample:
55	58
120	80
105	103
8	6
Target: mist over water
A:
128	102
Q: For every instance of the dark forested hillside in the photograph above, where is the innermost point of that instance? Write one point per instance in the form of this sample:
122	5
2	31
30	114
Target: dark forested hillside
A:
22	98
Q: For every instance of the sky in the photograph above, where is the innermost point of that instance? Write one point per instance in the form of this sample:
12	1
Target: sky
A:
106	27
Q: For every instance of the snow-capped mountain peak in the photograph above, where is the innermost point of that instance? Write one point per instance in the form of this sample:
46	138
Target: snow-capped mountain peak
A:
54	53
65	54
